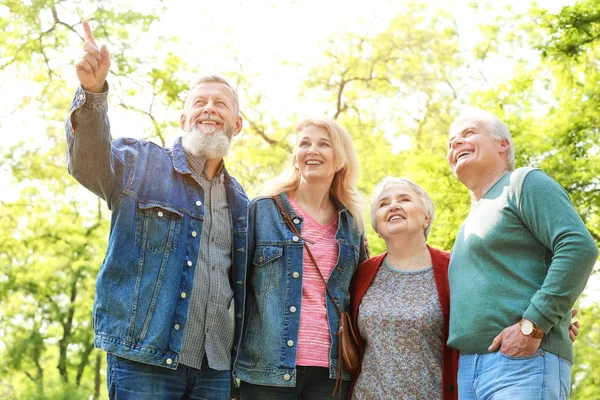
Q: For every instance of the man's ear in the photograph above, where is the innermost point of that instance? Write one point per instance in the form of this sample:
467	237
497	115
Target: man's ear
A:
182	122
238	125
504	146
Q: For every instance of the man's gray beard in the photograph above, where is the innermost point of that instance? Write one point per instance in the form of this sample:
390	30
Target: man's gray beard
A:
212	145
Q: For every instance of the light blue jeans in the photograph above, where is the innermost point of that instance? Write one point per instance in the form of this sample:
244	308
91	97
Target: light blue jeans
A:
495	376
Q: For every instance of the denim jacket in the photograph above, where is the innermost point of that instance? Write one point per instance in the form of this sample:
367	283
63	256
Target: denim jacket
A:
144	284
273	304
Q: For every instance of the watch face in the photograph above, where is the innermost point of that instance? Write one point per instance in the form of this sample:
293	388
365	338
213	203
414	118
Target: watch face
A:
526	327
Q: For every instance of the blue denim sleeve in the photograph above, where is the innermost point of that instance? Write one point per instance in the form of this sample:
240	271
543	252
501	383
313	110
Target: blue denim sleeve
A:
91	158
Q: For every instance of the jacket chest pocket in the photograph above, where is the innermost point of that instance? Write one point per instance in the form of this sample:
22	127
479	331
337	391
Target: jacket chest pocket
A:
157	227
267	263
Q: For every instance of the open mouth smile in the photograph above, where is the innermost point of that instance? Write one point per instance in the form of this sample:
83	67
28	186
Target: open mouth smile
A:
463	154
395	217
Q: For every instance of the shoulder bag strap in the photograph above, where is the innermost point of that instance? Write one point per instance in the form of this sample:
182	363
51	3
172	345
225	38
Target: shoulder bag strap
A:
290	224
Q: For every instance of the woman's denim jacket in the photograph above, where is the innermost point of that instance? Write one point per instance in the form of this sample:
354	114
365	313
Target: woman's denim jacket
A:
267	353
143	286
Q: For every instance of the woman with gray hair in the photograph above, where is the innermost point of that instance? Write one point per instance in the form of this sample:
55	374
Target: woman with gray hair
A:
401	301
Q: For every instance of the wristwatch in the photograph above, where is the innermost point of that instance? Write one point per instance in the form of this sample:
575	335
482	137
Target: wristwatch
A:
528	328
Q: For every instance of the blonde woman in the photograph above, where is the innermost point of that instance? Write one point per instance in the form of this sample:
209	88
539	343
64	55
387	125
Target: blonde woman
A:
288	347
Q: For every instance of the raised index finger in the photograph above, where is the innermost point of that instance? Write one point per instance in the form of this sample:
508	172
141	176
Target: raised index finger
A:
87	33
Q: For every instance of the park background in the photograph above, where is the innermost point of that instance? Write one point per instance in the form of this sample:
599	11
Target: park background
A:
394	73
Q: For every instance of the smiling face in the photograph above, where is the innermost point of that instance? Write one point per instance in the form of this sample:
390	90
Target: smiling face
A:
398	210
314	155
210	119
472	151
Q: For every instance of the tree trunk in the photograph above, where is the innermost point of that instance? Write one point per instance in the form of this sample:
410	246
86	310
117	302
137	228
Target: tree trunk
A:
97	378
85	360
67	326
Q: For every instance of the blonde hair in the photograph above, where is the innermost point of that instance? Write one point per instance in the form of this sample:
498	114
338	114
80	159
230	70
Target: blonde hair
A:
343	186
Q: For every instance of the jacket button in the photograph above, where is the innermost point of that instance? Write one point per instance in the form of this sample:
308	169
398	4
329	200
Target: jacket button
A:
176	327
194	234
290	343
261	258
169	361
80	97
160	214
292	309
287	377
198	203
295	238
296	221
189	263
295	275
183	295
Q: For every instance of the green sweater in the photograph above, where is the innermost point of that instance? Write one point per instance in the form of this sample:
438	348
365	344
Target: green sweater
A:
523	251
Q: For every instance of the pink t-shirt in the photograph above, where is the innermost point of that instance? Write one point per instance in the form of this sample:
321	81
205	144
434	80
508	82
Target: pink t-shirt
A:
313	338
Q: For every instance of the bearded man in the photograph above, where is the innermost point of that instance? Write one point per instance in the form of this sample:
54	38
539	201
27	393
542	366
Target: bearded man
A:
175	267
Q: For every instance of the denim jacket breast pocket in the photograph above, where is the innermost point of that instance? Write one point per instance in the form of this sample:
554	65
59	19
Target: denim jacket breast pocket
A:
157	227
267	263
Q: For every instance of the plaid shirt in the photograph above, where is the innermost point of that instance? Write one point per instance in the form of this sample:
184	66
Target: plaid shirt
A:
210	327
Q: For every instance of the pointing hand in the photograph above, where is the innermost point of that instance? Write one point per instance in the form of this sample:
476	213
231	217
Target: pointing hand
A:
93	65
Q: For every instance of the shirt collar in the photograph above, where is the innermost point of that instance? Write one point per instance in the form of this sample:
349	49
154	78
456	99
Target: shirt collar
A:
199	165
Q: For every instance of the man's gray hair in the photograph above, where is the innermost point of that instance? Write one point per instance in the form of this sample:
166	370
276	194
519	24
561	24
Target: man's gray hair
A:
214	79
423	196
496	128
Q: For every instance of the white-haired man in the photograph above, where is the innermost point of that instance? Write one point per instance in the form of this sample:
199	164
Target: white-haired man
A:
521	258
176	254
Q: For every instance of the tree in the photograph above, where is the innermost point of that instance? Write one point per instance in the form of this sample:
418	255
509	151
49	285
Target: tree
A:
573	31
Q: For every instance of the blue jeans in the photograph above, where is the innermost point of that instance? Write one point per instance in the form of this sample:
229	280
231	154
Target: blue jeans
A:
312	383
496	376
128	379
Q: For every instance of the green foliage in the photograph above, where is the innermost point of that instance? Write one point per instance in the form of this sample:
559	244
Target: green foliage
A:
574	31
585	373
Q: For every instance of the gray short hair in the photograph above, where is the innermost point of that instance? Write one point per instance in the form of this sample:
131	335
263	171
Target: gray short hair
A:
423	196
214	79
496	128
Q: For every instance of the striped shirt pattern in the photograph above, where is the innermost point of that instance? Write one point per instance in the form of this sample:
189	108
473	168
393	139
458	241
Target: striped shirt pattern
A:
314	340
210	325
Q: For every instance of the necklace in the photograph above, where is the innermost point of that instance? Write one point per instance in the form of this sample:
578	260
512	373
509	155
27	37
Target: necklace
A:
419	261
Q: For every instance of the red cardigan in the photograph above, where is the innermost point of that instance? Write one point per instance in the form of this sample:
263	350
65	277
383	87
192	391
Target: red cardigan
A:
440	259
